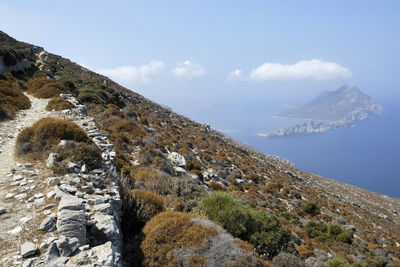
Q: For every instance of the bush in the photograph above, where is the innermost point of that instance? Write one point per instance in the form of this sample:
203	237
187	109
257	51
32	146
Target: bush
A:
59	103
47	133
11	100
291	217
45	88
338	262
80	153
311	208
261	229
284	259
184	239
322	232
139	207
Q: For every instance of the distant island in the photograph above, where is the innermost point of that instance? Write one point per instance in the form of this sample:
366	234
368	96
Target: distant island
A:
329	110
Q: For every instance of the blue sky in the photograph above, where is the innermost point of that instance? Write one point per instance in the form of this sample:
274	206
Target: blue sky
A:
194	55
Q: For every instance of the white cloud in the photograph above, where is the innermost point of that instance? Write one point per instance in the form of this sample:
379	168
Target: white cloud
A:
234	75
188	70
129	74
314	69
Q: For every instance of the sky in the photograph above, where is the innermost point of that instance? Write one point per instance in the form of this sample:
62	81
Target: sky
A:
196	56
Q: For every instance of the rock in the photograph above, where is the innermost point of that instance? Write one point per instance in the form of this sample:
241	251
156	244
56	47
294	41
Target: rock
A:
72	224
52	252
66	246
350	228
53	157
9	195
105	228
70	202
18	178
27	263
53	181
105	254
177	160
341	220
20	196
68	189
28	249
47	225
105	208
28	165
84	169
87	189
180	171
2	210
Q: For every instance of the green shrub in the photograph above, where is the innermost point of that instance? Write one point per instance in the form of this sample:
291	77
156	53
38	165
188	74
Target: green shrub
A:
311	208
261	229
338	262
291	217
322	232
47	133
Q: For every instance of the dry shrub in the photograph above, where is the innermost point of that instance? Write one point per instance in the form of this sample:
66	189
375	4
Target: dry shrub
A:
139	207
305	251
11	100
58	103
45	88
272	187
169	231
284	259
80	153
47	133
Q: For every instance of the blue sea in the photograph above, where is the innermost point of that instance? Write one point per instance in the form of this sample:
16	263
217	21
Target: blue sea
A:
367	155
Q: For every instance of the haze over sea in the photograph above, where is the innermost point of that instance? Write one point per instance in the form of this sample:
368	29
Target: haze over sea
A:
366	155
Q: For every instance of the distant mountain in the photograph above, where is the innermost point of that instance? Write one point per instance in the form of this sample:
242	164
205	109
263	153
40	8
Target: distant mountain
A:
329	110
335	105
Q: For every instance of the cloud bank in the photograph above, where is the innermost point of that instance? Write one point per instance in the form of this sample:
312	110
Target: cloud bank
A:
188	70
129	74
314	69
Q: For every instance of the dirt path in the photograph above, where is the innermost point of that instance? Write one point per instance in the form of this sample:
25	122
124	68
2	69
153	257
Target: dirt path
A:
22	187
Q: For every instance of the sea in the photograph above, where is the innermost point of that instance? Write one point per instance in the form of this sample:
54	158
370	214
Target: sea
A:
366	155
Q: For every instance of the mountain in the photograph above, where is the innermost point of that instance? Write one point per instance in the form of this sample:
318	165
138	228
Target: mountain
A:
329	110
93	174
334	105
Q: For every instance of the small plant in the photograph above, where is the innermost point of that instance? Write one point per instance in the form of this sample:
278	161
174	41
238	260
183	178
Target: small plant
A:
45	88
139	207
47	133
291	217
284	259
261	229
325	233
58	103
311	208
338	262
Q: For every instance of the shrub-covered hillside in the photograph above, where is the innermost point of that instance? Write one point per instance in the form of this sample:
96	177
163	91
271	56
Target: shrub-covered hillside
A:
177	172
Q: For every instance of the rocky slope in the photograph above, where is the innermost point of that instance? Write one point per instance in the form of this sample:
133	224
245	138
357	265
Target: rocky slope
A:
178	160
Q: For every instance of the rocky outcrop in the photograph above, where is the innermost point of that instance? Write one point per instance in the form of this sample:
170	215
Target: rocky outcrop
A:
13	61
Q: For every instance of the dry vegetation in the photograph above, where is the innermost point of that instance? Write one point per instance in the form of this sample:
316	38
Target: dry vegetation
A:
12	98
58	103
45	88
45	134
143	133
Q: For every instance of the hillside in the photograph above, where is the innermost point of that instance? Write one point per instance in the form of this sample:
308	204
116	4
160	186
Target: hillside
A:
145	186
335	105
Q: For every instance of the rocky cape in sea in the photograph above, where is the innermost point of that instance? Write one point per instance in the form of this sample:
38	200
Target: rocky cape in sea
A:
329	110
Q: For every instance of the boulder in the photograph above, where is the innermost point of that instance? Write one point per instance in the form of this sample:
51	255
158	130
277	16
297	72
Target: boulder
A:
69	202
28	249
67	246
72	224
105	228
177	160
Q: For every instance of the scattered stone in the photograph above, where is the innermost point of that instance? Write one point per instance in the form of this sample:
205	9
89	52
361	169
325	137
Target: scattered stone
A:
177	160
28	249
27	263
53	157
9	195
2	210
68	189
50	194
49	206
21	196
52	252
18	178
28	165
15	231
53	181
69	202
47	225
